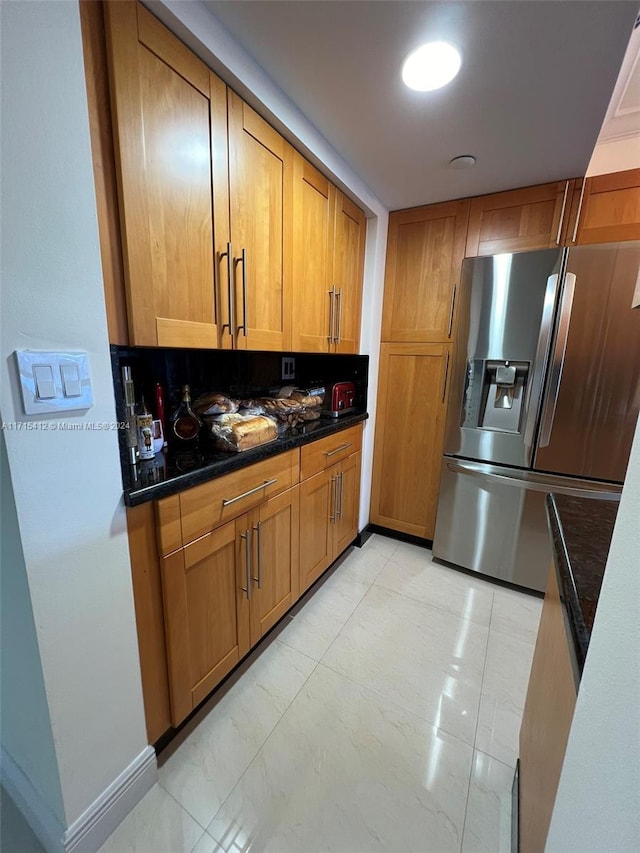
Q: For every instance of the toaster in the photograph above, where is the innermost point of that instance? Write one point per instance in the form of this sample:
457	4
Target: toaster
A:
341	399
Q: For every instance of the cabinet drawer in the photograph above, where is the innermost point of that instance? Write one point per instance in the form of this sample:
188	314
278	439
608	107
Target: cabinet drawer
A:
205	507
321	454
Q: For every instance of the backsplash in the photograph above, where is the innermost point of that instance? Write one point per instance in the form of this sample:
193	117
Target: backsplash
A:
233	372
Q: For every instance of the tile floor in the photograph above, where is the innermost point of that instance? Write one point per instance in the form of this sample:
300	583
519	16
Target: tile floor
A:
383	716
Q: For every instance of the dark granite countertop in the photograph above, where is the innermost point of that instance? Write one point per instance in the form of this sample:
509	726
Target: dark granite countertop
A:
170	473
581	531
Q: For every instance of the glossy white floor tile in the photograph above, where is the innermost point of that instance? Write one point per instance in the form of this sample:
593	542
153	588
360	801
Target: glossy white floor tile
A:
487	826
384	717
345	771
314	628
516	613
204	769
425	659
504	689
410	571
159	824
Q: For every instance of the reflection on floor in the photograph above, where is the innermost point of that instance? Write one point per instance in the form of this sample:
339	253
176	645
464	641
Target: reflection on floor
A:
383	716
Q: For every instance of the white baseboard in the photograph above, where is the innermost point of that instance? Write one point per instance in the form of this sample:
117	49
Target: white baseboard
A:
89	832
45	824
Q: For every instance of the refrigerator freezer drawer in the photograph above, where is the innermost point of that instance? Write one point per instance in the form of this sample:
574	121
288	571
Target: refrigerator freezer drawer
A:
492	519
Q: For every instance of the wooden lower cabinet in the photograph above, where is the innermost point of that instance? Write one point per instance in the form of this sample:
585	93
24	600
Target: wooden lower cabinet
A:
329	504
409	435
223	592
546	720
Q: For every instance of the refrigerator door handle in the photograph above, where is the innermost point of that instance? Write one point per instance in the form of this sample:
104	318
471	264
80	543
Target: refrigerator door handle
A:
557	362
535	483
542	354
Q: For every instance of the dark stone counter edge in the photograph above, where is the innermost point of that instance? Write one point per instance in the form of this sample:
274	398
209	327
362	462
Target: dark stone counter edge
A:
235	461
574	622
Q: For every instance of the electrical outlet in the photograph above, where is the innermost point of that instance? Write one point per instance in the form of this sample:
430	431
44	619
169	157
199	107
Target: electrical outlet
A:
288	367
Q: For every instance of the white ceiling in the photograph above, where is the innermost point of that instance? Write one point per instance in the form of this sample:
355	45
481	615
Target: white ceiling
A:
529	100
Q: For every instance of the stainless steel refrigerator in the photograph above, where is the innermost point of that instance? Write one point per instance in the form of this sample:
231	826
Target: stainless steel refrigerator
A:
544	398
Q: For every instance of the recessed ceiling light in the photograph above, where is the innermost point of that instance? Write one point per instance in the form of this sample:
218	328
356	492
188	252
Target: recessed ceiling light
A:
464	161
431	66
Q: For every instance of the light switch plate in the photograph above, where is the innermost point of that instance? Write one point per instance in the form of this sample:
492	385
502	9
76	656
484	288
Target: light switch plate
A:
78	396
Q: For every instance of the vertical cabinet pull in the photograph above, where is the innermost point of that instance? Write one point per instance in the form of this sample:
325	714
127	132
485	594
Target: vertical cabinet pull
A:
339	312
451	307
564	204
231	325
579	211
247	559
341	510
258	529
444	378
334	497
332	312
243	260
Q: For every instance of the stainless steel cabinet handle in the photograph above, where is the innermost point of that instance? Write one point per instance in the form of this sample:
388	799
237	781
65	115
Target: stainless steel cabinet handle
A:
557	364
243	260
341	510
339	300
332	314
247	559
338	449
231	325
564	204
332	516
258	529
575	227
444	378
451	307
264	485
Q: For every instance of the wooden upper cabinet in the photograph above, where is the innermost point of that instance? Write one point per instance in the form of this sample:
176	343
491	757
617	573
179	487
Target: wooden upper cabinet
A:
348	270
169	114
260	189
425	249
608	211
519	220
314	199
328	261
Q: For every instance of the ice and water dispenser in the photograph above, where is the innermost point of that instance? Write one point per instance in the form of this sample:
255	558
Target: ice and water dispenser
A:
495	392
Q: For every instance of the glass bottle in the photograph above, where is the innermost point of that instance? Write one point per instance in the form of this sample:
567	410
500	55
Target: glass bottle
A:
145	432
185	424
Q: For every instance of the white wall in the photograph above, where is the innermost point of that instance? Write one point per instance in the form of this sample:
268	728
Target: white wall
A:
596	807
617	155
67	485
207	37
25	727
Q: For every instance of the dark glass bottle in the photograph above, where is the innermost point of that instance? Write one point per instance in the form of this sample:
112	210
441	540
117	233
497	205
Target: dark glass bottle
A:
185	424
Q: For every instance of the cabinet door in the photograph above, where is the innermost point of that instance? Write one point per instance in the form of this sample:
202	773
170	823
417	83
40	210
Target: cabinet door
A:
409	436
317	516
348	269
425	249
609	209
518	220
260	187
348	504
206	614
313	227
169	116
275	529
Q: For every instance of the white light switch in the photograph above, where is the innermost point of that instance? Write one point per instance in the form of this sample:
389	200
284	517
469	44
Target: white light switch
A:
45	385
70	380
54	382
